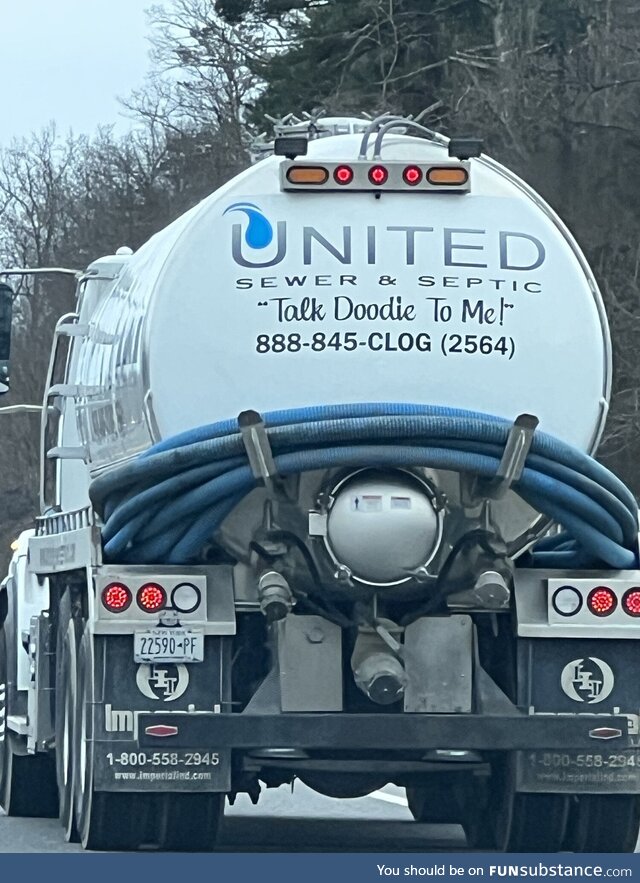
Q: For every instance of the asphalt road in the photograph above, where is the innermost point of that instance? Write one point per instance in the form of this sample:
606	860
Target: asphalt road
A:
284	822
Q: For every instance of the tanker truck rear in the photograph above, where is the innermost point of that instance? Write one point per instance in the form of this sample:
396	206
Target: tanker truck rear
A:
318	502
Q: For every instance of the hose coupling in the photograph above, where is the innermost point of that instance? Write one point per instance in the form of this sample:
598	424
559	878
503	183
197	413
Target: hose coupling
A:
276	598
381	677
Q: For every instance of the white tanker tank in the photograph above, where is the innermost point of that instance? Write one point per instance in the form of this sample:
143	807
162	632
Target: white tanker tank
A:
443	282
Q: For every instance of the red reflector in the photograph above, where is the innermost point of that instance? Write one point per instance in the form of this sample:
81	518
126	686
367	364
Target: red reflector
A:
412	175
151	597
631	602
378	175
343	174
602	601
605	733
116	597
161	730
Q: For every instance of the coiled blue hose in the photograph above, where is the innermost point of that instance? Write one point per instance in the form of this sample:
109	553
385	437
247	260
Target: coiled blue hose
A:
167	503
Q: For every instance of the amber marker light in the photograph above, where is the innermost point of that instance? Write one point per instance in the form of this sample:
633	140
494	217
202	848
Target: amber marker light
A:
307	175
452	176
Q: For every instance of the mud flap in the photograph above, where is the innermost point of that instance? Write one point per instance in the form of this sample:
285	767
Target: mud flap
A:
584	677
124	689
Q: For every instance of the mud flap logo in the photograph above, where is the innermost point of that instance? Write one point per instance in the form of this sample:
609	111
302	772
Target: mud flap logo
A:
118	721
587	680
162	682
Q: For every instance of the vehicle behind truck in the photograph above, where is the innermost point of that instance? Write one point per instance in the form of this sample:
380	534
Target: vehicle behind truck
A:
318	502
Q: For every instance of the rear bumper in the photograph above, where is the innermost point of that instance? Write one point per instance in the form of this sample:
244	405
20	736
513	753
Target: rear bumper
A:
388	732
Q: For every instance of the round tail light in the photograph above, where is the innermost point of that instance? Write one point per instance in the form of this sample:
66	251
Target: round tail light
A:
151	597
412	175
116	597
343	174
602	601
631	602
378	175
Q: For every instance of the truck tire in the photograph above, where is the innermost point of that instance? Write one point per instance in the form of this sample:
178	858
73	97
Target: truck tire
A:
27	781
190	822
604	823
436	801
510	821
105	820
68	636
538	823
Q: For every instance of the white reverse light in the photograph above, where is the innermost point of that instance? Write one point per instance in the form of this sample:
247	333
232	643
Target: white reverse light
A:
567	601
185	597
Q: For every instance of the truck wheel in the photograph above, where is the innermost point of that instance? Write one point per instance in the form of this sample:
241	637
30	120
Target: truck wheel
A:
436	801
538	823
535	823
105	820
69	633
190	822
604	823
515	822
27	781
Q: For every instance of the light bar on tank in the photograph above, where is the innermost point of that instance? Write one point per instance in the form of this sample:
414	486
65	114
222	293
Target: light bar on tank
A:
377	177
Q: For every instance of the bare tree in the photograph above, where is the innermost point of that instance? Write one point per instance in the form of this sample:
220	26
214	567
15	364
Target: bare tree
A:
204	72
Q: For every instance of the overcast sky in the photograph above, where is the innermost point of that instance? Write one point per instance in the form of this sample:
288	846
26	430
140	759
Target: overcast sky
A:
68	60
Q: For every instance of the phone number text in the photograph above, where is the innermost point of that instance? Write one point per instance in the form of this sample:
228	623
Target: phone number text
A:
388	342
594	761
164	758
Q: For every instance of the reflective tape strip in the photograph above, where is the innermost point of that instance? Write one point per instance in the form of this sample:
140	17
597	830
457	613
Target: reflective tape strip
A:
3	689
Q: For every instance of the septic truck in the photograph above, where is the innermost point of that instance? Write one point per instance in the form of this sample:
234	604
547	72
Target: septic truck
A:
319	502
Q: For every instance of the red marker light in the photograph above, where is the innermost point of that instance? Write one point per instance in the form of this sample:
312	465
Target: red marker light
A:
605	733
412	175
602	601
378	175
116	597
631	602
151	597
343	174
161	731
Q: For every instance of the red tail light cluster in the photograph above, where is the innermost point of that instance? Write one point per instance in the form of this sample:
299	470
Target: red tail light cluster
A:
363	175
152	597
601	601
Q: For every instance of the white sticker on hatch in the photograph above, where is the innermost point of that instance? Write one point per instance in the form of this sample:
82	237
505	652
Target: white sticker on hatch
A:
366	503
588	680
162	681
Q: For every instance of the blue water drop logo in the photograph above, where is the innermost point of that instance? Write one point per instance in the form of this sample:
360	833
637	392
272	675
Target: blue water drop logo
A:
259	232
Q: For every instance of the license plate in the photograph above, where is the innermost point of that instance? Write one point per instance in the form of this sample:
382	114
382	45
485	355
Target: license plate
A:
168	645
